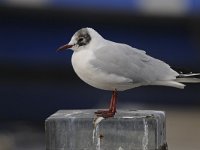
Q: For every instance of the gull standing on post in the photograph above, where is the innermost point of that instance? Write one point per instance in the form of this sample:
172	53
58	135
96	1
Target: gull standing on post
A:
113	66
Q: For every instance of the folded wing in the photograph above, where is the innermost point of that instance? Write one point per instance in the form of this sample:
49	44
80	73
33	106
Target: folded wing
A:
126	61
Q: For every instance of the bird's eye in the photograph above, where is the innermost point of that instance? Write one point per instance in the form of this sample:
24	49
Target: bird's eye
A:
80	39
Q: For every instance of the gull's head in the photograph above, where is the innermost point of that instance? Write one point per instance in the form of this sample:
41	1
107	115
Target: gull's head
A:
83	39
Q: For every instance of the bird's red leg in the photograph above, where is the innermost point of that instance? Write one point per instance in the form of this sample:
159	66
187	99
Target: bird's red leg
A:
111	101
114	105
112	109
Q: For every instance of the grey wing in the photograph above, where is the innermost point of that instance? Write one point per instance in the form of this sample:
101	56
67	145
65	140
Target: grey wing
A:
126	61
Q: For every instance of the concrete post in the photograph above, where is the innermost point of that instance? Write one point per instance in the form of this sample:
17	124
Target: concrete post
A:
128	130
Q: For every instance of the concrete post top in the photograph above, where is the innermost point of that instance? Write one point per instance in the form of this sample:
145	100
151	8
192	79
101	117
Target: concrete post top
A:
121	114
127	130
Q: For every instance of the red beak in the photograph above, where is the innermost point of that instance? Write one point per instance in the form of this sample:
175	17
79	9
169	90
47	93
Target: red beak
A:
64	47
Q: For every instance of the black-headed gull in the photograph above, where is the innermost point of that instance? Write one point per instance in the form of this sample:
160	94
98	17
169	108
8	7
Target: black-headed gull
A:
116	67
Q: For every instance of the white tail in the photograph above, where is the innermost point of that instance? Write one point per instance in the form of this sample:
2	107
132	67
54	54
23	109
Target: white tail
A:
169	83
182	78
188	78
189	74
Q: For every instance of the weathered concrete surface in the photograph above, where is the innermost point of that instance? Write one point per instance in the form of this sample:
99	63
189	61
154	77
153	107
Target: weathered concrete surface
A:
128	130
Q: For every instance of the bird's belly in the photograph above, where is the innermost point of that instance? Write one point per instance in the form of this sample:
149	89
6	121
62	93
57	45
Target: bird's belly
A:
97	77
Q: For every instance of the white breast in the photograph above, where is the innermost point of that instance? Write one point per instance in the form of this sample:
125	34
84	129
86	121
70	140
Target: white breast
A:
80	63
95	76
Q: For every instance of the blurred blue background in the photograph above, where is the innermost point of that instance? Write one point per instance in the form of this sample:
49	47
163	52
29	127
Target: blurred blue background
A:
36	80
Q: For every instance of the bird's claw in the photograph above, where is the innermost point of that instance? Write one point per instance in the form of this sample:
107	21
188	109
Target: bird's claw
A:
105	113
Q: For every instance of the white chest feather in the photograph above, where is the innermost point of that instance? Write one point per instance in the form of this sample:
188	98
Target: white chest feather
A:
80	63
95	76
